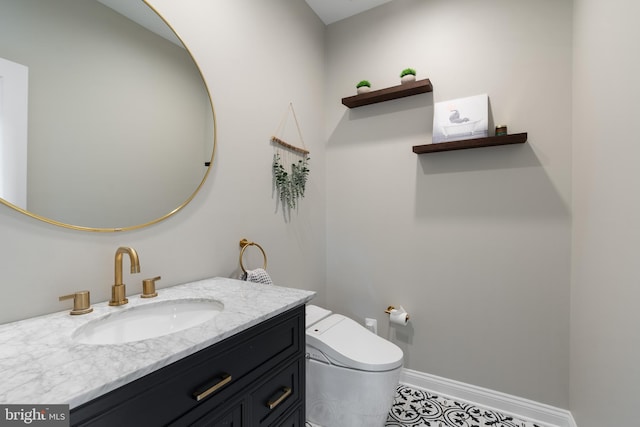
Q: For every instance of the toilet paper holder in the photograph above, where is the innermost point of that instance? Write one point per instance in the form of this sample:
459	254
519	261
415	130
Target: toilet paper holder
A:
390	308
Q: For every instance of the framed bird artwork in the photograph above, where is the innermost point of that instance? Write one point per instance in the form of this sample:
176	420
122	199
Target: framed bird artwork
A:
462	118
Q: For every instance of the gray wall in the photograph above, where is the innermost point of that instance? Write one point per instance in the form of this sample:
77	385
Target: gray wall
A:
475	244
605	337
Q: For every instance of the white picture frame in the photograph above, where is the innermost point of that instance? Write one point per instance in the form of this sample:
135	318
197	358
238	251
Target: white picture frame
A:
460	119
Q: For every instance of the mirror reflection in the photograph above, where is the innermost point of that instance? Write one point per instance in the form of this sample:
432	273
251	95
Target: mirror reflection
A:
104	124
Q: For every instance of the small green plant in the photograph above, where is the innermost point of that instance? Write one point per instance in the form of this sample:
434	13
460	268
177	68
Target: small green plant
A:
407	71
363	83
290	186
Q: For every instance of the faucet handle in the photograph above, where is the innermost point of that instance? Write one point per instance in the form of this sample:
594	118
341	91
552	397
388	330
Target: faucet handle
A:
149	288
81	302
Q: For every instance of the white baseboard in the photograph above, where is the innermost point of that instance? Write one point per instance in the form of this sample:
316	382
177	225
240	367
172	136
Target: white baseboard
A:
518	407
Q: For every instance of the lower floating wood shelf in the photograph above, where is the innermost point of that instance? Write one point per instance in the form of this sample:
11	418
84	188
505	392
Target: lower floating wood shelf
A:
491	141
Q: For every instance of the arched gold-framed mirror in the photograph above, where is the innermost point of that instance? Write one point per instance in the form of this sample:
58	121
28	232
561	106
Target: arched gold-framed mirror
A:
116	147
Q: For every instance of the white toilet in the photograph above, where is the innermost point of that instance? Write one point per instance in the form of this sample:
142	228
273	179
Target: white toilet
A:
352	373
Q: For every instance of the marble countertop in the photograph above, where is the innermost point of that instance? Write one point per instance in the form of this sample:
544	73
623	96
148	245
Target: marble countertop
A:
41	364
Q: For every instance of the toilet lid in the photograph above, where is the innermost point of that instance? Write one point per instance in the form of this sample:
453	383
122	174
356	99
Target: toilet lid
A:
313	313
347	343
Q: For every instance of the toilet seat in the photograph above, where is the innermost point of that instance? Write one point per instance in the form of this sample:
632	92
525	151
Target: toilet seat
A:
346	343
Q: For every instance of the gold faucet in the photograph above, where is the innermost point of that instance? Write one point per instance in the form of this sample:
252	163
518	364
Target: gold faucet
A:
118	290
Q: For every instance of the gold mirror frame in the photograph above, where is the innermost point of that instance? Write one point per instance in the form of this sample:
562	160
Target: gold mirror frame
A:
174	211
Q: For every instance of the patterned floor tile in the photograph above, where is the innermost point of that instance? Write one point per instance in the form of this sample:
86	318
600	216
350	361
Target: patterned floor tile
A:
418	408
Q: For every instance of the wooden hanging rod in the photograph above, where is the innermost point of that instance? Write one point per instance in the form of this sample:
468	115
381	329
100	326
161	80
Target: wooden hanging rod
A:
289	146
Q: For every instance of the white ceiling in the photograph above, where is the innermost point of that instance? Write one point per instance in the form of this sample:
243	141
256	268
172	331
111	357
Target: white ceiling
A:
329	11
334	10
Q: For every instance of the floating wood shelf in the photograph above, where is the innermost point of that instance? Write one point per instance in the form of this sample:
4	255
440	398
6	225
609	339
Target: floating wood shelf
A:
516	138
387	94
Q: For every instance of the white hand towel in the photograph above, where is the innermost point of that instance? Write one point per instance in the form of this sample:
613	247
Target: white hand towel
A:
259	275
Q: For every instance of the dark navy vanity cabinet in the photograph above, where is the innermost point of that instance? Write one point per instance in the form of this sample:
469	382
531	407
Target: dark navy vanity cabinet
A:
253	378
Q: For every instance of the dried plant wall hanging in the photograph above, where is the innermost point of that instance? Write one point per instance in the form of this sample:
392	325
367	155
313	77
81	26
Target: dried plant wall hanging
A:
290	165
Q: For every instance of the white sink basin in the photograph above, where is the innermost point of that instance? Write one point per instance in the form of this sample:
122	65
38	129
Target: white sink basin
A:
147	321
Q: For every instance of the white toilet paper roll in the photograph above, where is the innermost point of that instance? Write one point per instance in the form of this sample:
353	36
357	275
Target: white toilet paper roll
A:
398	317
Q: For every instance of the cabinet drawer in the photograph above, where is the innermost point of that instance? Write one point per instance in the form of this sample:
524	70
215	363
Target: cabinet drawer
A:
278	393
166	394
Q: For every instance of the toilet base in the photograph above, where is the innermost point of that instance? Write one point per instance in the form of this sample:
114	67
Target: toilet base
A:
339	396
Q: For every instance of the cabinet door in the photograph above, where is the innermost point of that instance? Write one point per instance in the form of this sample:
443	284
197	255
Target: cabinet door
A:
231	418
293	420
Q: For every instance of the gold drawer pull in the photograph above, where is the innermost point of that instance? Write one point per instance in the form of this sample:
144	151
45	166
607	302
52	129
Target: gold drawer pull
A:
199	395
286	392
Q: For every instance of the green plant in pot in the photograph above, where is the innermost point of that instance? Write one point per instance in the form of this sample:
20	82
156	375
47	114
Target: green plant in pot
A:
408	75
363	86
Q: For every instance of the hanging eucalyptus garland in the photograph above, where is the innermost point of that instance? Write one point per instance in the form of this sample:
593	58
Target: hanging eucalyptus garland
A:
290	186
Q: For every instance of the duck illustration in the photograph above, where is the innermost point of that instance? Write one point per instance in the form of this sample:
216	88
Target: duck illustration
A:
455	117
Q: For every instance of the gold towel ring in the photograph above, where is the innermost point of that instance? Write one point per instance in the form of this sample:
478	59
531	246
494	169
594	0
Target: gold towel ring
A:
244	243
